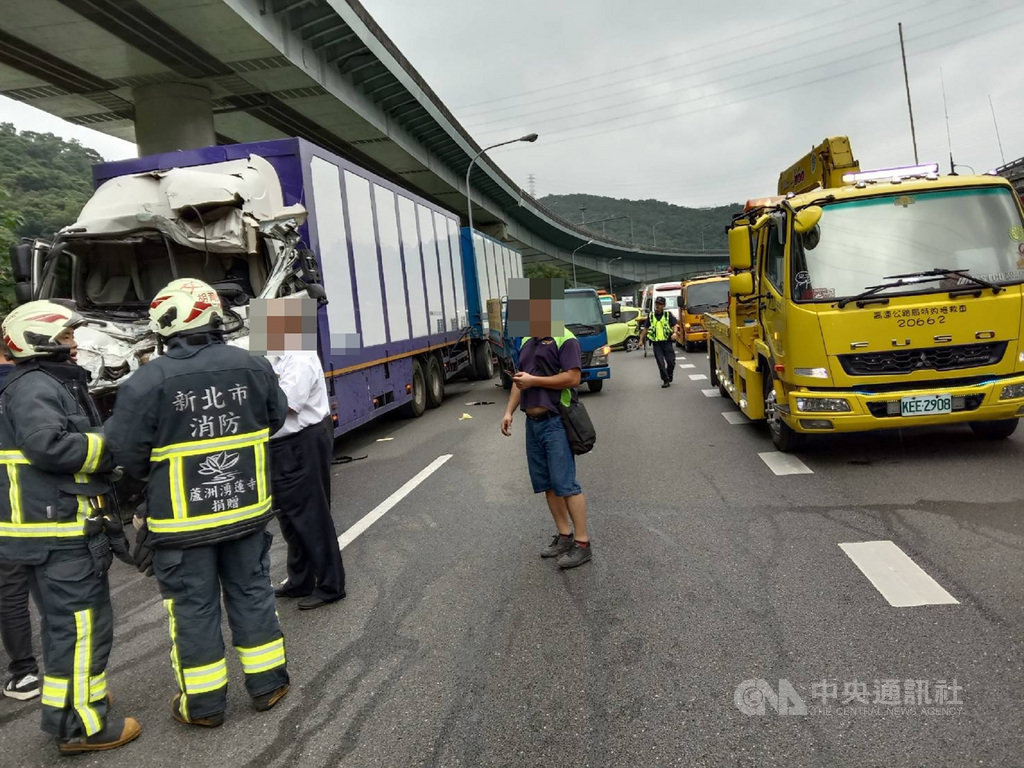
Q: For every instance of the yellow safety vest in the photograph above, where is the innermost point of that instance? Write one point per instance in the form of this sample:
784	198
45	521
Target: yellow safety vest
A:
659	329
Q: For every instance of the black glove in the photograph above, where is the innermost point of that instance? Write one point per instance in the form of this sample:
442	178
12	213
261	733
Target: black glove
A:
143	552
99	550
114	529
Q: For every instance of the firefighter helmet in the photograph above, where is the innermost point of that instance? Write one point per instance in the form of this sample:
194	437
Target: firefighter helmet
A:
31	330
185	305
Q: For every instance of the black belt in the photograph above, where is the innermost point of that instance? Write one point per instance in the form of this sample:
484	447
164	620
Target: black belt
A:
540	416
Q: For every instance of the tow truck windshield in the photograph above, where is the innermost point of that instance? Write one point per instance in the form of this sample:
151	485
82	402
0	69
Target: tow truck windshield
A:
903	244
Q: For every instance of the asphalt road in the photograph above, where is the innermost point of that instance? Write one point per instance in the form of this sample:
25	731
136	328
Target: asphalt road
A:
716	586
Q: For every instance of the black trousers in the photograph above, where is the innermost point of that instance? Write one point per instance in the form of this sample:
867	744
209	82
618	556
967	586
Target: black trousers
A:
665	354
15	625
77	633
300	472
191	582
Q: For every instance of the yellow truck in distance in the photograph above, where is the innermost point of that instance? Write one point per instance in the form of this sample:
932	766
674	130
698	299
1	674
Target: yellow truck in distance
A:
885	299
708	294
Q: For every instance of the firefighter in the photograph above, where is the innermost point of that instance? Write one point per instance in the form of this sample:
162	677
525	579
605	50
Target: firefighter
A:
196	422
52	519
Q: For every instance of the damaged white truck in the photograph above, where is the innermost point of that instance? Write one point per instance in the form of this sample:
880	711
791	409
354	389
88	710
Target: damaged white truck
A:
403	289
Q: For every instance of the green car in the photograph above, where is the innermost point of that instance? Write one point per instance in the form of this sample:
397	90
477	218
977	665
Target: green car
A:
623	331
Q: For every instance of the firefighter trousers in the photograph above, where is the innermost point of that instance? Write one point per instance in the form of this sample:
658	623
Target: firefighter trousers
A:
77	633
190	582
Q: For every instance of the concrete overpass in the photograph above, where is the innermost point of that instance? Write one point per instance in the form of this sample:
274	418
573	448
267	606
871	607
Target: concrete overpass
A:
170	74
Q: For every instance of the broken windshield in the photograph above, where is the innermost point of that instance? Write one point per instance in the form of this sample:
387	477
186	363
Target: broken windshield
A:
859	243
126	272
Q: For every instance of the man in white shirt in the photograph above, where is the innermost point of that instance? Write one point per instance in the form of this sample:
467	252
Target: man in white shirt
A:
300	455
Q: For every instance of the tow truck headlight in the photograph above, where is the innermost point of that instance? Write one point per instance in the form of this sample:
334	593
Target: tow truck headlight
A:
821	404
601	356
1012	391
814	373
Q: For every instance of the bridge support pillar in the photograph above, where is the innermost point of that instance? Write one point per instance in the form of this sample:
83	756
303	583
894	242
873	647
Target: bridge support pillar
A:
172	116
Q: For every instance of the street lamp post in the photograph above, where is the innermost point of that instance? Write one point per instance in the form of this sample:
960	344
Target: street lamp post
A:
574	261
469	200
654	232
610	272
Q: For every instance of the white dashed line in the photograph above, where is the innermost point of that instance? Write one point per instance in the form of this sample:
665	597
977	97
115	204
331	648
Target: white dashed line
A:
688	365
713	392
901	581
735	417
381	509
785	463
698	377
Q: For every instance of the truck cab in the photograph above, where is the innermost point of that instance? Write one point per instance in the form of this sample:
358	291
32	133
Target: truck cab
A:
708	294
892	300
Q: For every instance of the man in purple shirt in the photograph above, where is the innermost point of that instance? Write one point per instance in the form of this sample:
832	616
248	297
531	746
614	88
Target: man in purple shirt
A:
549	362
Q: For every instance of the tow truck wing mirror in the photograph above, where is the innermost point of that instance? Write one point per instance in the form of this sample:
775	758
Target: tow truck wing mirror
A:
807	218
739	248
741	284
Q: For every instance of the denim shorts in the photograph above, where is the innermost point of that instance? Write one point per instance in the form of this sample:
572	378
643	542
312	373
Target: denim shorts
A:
552	465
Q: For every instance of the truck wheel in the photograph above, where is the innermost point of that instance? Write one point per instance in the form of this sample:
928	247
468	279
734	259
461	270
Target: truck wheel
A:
435	382
483	363
415	407
632	343
689	346
995	430
596	385
712	373
783	436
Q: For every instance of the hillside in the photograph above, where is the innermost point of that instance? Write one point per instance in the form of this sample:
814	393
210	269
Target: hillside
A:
655	224
44	182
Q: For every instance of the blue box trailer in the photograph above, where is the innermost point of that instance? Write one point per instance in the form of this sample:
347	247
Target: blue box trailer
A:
407	289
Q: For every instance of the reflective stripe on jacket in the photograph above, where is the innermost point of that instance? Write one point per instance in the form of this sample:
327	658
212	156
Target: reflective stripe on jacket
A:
51	463
196	421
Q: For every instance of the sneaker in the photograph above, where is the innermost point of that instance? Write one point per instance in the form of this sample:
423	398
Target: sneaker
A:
559	545
268	700
210	721
22	688
115	734
577	555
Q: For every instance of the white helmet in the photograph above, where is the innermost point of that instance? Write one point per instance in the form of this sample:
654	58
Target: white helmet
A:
185	305
31	330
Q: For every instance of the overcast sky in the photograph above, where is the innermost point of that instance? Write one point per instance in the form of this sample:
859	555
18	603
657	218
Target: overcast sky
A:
703	104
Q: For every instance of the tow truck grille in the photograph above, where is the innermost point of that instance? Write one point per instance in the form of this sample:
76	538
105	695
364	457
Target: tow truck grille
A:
937	359
585	358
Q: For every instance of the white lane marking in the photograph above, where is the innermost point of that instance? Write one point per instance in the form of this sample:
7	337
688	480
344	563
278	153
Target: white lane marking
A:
688	365
681	357
735	417
901	581
785	464
698	377
713	392
381	509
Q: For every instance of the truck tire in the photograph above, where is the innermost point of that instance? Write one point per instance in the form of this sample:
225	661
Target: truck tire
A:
483	363
415	407
783	436
596	385
689	346
712	373
435	382
995	430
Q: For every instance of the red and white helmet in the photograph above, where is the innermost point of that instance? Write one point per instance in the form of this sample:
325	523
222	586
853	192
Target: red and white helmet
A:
184	305
31	330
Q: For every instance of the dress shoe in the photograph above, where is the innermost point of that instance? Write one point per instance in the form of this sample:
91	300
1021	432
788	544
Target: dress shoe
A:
282	590
312	602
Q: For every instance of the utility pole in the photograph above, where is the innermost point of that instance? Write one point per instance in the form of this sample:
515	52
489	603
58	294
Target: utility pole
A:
906	80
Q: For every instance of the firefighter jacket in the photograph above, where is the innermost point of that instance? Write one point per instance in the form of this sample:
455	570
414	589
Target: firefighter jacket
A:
53	457
196	422
660	328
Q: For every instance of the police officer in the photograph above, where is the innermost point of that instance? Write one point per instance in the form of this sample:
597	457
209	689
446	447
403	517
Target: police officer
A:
659	329
51	498
196	421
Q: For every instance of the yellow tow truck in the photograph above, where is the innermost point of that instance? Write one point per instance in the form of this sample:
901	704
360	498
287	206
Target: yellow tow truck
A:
874	300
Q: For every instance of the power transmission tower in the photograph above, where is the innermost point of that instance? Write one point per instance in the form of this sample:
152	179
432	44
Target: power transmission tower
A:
531	184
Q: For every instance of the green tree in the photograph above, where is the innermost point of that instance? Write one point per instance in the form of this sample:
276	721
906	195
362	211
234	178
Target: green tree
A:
545	270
